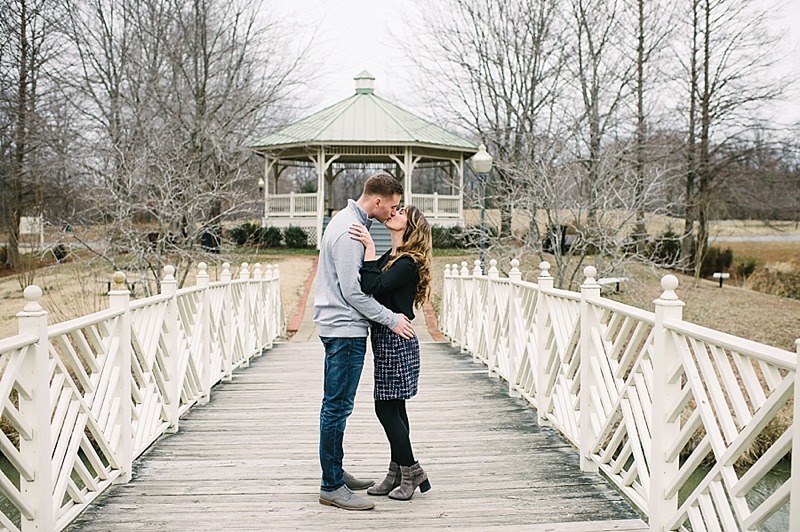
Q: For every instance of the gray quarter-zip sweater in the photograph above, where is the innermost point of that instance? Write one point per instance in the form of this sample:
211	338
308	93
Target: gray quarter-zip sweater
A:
341	309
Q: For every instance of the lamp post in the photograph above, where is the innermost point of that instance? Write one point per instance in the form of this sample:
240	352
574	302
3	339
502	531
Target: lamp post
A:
261	185
481	164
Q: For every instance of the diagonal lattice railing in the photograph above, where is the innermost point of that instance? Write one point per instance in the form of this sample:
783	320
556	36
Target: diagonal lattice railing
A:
82	399
667	410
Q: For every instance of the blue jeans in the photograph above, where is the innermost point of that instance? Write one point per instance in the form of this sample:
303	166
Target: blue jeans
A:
344	360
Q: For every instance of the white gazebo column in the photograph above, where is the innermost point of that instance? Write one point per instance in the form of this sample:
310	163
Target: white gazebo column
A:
269	164
322	166
460	167
407	166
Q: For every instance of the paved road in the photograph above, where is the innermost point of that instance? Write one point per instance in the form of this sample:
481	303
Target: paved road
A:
757	238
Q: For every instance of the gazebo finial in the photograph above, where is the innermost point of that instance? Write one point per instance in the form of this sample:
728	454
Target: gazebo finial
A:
365	83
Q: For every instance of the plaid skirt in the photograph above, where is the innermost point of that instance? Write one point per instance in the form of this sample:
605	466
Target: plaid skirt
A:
396	363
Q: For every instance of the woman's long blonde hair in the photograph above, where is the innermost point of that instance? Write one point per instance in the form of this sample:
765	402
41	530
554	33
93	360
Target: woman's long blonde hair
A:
417	244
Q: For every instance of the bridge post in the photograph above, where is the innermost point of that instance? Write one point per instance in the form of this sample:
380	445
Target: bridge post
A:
34	408
474	320
444	317
455	307
243	319
666	391
172	399
478	314
794	486
589	290
259	305
279	316
228	324
543	396
265	288
514	276
120	298
205	333
463	301
491	318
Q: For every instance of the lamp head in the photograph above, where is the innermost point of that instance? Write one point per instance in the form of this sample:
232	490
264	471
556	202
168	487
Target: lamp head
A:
481	162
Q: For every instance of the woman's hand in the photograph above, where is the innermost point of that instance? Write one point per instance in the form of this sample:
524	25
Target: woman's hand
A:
361	233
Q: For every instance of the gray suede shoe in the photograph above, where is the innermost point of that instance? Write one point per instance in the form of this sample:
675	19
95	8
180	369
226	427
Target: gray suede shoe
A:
354	483
345	499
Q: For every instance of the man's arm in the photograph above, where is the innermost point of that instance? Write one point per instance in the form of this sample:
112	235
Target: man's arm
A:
347	257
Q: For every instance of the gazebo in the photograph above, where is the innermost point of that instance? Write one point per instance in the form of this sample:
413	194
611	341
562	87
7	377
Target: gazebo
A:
363	129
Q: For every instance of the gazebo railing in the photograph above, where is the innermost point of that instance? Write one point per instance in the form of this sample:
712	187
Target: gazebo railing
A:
436	205
305	205
292	204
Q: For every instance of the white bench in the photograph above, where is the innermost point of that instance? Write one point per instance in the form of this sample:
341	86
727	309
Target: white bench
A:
616	281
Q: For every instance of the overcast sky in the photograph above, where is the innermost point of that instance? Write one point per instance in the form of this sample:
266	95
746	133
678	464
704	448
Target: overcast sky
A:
354	35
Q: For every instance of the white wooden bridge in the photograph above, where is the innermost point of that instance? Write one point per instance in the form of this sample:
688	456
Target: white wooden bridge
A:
182	412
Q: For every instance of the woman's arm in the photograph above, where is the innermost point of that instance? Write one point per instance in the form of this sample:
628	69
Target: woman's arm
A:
361	233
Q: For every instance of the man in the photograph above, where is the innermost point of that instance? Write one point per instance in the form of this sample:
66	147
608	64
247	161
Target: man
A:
342	313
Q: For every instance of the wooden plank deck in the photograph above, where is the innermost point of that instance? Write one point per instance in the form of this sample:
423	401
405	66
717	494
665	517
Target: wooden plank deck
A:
248	460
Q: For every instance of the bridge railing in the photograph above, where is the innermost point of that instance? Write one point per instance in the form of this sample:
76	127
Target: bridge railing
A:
666	409
84	398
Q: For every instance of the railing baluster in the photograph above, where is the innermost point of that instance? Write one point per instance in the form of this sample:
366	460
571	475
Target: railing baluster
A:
444	314
204	309
589	290
491	318
34	376
543	397
478	314
245	318
465	340
120	297
229	327
169	286
665	393
794	500
514	345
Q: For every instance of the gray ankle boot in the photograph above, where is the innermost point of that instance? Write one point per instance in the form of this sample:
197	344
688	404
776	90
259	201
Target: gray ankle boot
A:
389	483
413	476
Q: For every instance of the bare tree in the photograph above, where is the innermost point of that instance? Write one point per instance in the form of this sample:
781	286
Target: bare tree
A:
726	61
652	30
603	73
173	90
497	67
26	50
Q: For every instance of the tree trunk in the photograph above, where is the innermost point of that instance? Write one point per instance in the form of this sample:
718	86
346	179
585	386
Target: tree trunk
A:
21	134
640	230
690	202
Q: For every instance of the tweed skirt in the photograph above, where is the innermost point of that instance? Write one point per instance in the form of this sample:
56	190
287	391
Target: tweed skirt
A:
396	363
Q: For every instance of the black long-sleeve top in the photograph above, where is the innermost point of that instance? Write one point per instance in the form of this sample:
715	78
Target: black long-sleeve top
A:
393	288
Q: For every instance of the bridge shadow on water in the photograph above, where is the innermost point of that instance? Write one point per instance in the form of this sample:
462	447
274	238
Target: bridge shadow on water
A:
248	459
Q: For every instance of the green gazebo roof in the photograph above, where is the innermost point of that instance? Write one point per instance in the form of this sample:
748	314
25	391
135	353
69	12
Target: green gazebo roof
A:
363	119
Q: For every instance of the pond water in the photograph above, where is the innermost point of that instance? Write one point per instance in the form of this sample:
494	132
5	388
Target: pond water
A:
766	487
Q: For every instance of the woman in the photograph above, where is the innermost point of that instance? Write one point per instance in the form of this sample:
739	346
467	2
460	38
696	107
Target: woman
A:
399	280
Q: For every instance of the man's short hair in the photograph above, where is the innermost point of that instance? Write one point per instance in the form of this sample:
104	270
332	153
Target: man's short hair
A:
382	185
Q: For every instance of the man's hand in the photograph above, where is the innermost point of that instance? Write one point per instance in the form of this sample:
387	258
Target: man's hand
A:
404	327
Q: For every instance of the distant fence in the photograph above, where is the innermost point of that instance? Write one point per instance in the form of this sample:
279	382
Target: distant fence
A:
82	399
664	408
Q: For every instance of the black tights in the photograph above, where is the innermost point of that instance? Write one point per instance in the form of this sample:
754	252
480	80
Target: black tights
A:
393	417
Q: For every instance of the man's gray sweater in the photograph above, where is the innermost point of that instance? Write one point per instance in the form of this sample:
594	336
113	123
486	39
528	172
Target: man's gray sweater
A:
341	309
